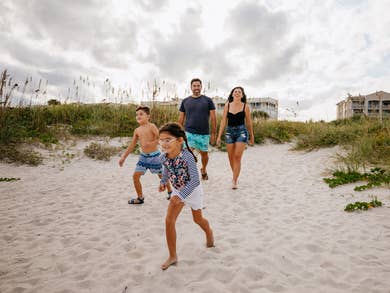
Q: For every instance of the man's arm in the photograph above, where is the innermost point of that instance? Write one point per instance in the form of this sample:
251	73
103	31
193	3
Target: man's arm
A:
223	124
181	119
213	126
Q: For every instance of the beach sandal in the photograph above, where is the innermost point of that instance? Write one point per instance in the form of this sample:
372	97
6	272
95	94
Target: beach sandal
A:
169	195
205	176
138	200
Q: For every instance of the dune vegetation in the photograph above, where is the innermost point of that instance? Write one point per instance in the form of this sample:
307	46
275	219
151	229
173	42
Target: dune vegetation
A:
365	143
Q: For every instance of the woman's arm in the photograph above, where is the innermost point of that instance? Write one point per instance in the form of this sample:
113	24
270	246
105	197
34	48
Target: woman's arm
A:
249	125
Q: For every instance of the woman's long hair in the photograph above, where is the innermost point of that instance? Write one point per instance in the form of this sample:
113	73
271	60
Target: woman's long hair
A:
243	99
177	131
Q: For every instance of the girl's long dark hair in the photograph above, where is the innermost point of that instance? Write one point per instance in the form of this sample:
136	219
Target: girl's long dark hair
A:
243	99
177	131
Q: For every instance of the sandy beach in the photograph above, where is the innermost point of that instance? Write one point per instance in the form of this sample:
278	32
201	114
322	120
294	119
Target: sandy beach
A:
67	227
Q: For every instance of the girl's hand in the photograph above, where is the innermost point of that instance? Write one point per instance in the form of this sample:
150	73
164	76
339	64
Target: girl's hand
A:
121	161
162	187
252	141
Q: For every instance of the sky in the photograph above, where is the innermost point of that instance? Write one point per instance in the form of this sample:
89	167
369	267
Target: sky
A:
306	54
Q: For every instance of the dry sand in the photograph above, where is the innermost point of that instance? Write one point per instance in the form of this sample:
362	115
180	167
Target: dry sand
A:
68	228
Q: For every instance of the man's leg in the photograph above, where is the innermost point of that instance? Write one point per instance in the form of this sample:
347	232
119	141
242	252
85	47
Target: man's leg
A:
205	160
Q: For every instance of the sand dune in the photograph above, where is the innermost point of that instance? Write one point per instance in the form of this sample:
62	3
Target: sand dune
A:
68	228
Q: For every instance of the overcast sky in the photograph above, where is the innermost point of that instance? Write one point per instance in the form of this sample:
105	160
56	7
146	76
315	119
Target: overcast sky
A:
310	52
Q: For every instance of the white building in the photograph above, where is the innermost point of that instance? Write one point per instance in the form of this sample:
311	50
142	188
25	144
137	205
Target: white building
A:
372	105
267	105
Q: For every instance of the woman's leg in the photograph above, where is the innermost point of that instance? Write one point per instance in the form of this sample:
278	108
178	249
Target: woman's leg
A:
170	231
230	150
237	155
204	224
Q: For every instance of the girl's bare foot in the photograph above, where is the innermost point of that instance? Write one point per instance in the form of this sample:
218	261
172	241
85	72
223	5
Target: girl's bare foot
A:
234	184
210	239
169	262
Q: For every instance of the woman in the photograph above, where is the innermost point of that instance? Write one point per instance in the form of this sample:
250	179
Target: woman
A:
239	123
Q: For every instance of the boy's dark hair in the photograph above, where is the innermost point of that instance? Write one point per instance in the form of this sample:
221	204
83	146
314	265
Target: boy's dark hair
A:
243	99
143	108
177	131
195	80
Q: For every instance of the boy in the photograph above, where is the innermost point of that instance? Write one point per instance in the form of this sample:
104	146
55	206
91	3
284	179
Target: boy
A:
147	136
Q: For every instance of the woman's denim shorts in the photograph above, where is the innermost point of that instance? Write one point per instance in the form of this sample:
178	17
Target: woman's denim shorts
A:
236	134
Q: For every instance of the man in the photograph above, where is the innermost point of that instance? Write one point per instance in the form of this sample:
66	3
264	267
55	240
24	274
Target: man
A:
195	113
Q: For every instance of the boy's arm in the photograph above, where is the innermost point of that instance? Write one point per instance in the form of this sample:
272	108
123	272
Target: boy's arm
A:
155	133
130	148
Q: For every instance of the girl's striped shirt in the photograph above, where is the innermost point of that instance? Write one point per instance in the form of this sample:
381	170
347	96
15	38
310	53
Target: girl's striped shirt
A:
181	171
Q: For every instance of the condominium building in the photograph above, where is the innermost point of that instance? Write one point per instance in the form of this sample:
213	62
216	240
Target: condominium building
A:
372	105
267	105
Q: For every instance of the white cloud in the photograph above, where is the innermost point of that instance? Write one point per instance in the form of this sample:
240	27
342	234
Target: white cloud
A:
306	51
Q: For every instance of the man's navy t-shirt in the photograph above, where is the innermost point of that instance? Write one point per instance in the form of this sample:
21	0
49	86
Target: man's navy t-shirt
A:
197	112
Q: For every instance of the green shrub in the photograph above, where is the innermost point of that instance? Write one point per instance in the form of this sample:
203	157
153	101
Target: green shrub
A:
13	153
363	205
376	177
8	179
53	102
100	151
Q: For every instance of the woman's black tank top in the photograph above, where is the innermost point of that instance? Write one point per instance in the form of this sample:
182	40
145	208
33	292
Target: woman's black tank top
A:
236	119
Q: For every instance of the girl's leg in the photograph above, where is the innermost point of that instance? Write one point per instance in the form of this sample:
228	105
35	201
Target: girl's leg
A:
170	231
237	155
137	183
204	224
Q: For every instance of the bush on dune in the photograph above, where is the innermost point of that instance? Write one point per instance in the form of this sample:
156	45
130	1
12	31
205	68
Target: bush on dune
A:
367	141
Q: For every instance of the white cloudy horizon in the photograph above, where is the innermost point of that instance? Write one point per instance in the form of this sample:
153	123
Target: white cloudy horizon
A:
295	51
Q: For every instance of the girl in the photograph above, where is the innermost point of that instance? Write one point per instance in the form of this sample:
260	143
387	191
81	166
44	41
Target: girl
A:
239	122
181	170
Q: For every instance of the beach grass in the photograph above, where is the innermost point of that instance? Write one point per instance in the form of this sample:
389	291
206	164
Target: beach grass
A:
366	141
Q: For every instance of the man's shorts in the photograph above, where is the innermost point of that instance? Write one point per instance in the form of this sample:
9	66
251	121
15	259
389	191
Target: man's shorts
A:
198	141
149	161
236	134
